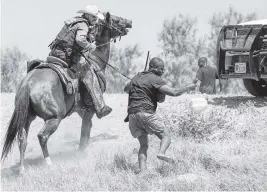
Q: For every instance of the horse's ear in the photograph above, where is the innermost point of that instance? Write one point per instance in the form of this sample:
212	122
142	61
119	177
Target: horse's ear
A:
108	17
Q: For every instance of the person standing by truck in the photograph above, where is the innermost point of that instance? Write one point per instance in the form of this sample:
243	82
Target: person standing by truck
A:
207	76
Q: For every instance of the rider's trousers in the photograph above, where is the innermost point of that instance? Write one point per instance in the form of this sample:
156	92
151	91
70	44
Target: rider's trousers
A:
87	75
92	85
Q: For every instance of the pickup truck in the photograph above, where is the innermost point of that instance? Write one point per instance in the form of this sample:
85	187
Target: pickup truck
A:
242	53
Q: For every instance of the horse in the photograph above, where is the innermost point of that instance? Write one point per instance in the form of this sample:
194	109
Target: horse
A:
41	94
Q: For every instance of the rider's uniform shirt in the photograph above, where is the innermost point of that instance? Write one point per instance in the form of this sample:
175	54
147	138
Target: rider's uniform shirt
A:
76	35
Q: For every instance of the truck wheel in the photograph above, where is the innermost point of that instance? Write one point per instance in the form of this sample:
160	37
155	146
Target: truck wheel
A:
256	88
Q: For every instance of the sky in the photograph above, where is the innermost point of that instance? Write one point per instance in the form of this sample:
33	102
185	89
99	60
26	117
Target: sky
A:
32	24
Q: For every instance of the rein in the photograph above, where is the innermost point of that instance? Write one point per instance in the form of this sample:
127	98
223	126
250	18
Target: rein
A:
106	43
105	65
116	69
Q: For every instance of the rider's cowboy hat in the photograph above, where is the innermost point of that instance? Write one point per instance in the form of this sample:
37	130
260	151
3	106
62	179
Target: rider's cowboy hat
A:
92	10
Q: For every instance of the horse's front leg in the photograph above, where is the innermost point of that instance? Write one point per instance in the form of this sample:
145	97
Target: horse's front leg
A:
86	128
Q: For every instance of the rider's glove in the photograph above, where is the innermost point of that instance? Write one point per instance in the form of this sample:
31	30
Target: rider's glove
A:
91	47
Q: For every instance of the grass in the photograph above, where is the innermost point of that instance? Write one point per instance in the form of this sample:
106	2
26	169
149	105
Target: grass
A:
223	148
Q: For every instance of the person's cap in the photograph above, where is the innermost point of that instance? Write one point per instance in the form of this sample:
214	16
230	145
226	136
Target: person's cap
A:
156	62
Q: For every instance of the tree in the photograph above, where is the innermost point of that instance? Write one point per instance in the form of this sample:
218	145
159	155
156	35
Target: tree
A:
13	68
125	60
180	49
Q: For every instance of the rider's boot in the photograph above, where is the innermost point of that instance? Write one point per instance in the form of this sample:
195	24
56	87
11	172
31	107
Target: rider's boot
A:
92	85
103	112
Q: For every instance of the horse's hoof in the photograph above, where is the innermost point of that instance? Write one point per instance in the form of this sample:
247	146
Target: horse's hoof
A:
82	149
48	161
21	170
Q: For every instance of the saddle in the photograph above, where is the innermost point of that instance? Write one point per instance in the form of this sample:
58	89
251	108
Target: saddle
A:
69	79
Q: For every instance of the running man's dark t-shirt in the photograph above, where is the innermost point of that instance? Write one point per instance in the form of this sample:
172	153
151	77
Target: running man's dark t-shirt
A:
143	92
207	75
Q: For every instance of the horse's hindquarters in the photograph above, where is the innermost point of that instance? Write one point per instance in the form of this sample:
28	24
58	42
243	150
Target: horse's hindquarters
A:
46	93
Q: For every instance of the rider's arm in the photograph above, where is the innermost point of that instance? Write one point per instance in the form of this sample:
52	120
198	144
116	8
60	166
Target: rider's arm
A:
81	35
175	92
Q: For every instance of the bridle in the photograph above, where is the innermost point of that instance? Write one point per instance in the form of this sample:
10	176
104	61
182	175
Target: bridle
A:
108	24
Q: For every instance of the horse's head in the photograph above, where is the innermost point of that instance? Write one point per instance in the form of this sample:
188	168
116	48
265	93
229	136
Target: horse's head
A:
108	30
113	27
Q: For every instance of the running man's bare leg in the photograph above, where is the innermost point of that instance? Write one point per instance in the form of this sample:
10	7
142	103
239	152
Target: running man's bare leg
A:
142	155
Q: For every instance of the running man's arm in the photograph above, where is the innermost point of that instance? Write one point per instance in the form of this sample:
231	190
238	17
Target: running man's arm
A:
127	87
176	92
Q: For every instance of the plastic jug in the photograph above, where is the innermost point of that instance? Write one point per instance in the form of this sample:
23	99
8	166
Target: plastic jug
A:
198	104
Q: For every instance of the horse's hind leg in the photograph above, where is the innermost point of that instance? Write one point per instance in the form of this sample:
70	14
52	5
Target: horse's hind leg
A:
49	128
22	137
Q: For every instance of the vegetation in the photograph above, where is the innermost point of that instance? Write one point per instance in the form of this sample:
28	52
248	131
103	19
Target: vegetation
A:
181	48
221	148
210	152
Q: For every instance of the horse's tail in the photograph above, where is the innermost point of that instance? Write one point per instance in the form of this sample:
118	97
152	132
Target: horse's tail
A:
18	119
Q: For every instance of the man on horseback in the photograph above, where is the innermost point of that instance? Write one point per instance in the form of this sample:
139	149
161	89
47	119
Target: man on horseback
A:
76	39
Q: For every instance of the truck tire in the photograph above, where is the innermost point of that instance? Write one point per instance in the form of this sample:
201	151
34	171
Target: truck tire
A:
256	88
